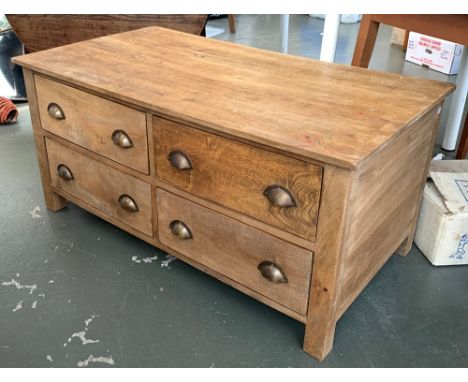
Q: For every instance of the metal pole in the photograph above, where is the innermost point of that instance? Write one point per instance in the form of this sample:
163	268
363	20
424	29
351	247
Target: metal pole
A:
284	33
455	117
330	37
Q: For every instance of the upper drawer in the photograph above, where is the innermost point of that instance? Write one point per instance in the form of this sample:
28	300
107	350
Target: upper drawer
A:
94	123
270	187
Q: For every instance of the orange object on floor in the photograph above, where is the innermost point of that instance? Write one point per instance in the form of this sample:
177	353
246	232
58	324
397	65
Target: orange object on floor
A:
8	111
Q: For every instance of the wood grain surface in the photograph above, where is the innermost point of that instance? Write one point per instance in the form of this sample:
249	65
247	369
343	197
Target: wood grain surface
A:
101	186
53	201
328	112
385	203
235	175
90	121
351	145
333	226
235	250
39	32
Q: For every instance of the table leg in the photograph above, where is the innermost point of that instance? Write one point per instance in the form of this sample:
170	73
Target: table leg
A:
365	41
330	37
232	23
458	105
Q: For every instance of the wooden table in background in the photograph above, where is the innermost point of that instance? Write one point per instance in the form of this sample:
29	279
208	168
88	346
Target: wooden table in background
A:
40	32
448	27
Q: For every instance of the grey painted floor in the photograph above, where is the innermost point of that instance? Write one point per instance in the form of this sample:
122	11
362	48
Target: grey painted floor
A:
84	279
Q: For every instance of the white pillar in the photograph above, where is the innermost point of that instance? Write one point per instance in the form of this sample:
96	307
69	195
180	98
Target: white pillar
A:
455	117
284	33
330	37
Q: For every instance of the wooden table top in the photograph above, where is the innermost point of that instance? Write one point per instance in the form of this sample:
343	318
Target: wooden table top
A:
333	113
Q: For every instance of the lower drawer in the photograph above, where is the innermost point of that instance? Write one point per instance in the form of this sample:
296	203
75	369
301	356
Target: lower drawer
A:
119	195
270	266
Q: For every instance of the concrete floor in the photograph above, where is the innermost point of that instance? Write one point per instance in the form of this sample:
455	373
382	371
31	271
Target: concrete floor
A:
74	289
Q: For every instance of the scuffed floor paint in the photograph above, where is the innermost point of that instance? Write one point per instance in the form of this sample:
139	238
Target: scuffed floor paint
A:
82	334
136	259
93	359
149	260
146	260
18	285
18	306
169	259
34	212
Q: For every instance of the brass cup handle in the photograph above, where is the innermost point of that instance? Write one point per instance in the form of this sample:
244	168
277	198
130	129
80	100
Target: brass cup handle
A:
272	272
180	229
180	160
55	111
64	172
121	139
280	196
127	203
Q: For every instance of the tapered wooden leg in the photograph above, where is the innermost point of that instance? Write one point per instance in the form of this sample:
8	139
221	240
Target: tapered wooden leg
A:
318	339
404	247
232	23
53	201
365	41
405	41
324	289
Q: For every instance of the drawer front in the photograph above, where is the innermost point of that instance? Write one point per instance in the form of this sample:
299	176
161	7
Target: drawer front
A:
237	176
235	250
99	125
101	186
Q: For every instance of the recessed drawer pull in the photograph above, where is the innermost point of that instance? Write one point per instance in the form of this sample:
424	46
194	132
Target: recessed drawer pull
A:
180	160
55	111
121	139
280	196
64	172
127	203
180	229
272	272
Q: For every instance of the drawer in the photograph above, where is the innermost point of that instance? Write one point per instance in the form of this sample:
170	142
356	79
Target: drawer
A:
236	250
239	176
101	186
104	127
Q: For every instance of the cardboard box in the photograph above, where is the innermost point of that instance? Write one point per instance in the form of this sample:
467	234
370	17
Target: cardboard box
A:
435	53
442	231
398	36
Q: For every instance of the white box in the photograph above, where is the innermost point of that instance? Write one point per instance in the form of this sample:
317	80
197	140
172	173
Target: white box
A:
442	231
435	53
